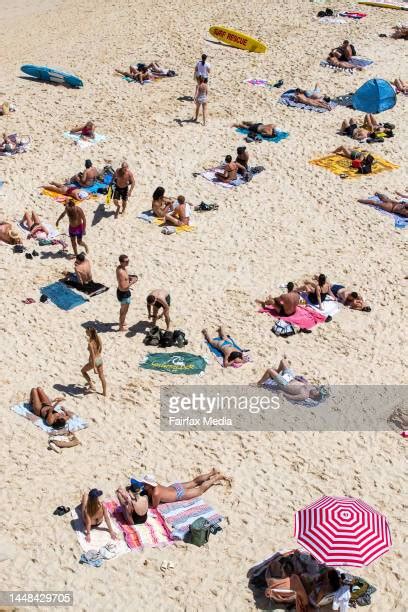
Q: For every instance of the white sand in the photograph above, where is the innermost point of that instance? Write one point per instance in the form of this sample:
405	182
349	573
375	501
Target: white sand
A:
292	221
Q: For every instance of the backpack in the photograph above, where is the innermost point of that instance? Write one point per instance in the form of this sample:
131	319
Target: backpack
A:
283	328
179	338
166	339
153	337
199	532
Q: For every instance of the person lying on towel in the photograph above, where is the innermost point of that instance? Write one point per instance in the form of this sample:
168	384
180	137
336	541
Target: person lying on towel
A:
285	304
53	415
398	207
352	299
179	491
31	221
264	129
312	97
370	129
293	389
230	353
334	61
94	512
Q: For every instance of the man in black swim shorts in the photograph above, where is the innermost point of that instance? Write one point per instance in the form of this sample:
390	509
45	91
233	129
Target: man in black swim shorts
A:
124	184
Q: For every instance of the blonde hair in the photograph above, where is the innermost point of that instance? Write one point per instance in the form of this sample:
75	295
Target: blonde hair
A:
93	337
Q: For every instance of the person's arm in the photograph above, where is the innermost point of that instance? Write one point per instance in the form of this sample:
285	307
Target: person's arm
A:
92	356
240	166
318	296
83	219
108	523
132	183
76	129
149	311
60	217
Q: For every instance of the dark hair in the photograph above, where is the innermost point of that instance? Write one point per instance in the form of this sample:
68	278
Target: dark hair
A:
59	424
241	149
203	58
88	163
123	258
354	295
334	579
366	309
150	299
321	279
228	159
158	193
288	567
346	42
80	257
290	286
234	355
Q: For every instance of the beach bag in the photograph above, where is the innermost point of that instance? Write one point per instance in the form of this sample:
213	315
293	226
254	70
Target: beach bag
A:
200	531
166	339
179	338
283	328
153	337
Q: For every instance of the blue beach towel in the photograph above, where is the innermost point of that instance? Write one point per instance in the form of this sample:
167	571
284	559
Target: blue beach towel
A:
75	423
399	222
93	188
278	138
357	61
62	296
220	357
288	99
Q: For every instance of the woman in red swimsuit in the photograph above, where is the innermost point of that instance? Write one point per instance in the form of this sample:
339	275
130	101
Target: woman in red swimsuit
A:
86	132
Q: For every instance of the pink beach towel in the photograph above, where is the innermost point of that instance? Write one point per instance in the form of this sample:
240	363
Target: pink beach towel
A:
304	317
153	533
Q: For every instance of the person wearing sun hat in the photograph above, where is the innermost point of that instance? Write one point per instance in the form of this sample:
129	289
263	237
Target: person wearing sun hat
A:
94	512
8	234
134	502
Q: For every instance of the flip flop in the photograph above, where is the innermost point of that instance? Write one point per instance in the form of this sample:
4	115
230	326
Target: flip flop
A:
278	83
61	510
28	301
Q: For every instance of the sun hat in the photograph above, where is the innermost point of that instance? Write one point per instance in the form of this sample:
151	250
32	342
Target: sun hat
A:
95	493
149	479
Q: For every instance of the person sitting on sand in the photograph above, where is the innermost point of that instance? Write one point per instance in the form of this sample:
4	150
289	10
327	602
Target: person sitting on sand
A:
231	356
161	204
134	502
285	379
76	193
83	271
180	491
53	415
230	171
285	304
400	86
349	298
317	290
334	61
159	299
8	234
264	129
398	207
32	223
400	31
242	159
345	51
85	132
87	177
77	225
140	75
312	98
94	512
95	361
180	212
7	144
284	587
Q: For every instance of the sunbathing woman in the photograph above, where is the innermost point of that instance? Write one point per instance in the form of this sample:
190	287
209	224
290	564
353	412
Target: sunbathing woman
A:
349	152
230	354
349	298
303	97
94	512
284	377
392	206
334	61
369	129
265	129
72	192
53	415
285	304
134	502
33	224
161	205
8	235
317	290
139	75
85	132
95	361
179	491
400	86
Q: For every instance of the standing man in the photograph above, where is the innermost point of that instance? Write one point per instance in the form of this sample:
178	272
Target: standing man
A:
123	294
156	300
124	185
77	225
202	68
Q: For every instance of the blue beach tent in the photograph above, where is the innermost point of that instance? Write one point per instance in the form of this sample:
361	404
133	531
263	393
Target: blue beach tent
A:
375	96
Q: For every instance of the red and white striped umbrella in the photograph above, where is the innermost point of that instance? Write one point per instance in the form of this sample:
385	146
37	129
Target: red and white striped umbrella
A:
342	531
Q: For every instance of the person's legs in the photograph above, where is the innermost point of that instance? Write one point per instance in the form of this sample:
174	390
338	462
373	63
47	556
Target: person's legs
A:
44	399
204	106
122	316
222	333
82	244
269	374
35	218
283	365
197	111
199	480
172	220
84	372
214	343
198	490
102	378
346	123
74	245
27	219
117	204
343	151
35	401
388	206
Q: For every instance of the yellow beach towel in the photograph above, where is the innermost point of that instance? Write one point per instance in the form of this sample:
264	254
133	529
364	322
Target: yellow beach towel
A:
181	228
338	164
58	197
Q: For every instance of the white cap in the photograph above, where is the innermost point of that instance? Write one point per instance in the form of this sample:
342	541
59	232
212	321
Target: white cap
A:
149	479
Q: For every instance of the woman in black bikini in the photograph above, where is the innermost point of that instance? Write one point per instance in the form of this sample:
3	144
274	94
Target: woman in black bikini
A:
94	512
135	502
317	290
44	408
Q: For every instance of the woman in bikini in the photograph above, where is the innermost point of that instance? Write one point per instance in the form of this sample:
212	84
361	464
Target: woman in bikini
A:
317	290
230	354
8	235
161	204
33	224
94	512
67	190
392	206
95	361
85	132
201	97
135	502
47	410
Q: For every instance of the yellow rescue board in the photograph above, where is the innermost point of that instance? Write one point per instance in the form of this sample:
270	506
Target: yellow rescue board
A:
237	39
401	7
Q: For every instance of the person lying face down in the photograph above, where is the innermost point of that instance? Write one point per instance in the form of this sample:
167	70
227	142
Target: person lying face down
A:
349	298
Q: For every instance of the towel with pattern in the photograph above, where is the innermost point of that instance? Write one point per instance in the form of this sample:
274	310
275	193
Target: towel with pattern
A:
399	222
359	62
305	317
21	145
179	515
154	533
288	99
84	144
100	535
338	164
75	423
280	136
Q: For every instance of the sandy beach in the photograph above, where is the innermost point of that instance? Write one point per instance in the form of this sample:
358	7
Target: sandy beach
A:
291	221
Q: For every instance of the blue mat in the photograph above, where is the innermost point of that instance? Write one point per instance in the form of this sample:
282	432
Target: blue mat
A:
277	138
62	296
98	185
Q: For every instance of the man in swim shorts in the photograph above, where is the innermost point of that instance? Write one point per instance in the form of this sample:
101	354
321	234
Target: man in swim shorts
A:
77	225
159	299
124	184
123	294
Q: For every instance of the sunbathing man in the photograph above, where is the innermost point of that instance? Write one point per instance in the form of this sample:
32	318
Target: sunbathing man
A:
285	304
265	129
71	192
161	204
77	225
179	491
302	96
180	212
231	356
85	132
156	300
134	502
349	298
230	171
293	389
140	75
53	415
86	178
34	226
398	207
8	235
124	182
334	61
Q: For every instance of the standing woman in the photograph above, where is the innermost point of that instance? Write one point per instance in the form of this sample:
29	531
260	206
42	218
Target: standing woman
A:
95	361
202	68
201	97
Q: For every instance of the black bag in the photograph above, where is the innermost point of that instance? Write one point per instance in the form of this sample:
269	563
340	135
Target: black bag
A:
153	337
179	338
166	339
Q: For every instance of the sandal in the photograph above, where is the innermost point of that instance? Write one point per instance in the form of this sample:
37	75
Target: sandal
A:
61	510
28	301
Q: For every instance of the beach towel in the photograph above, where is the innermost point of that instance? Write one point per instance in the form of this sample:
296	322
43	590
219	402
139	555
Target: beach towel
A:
92	289
58	197
288	99
210	176
219	356
338	164
23	144
259	82
399	222
175	363
150	217
62	296
179	515
353	15
304	317
359	62
52	231
146	82
277	138
92	188
84	144
75	423
330	307
308	402
154	533
331	20
100	535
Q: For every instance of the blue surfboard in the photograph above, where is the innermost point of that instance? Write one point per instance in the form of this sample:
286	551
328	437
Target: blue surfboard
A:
54	75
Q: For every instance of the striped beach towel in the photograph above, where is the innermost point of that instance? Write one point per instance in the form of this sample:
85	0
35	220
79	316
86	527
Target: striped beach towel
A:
179	515
151	534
